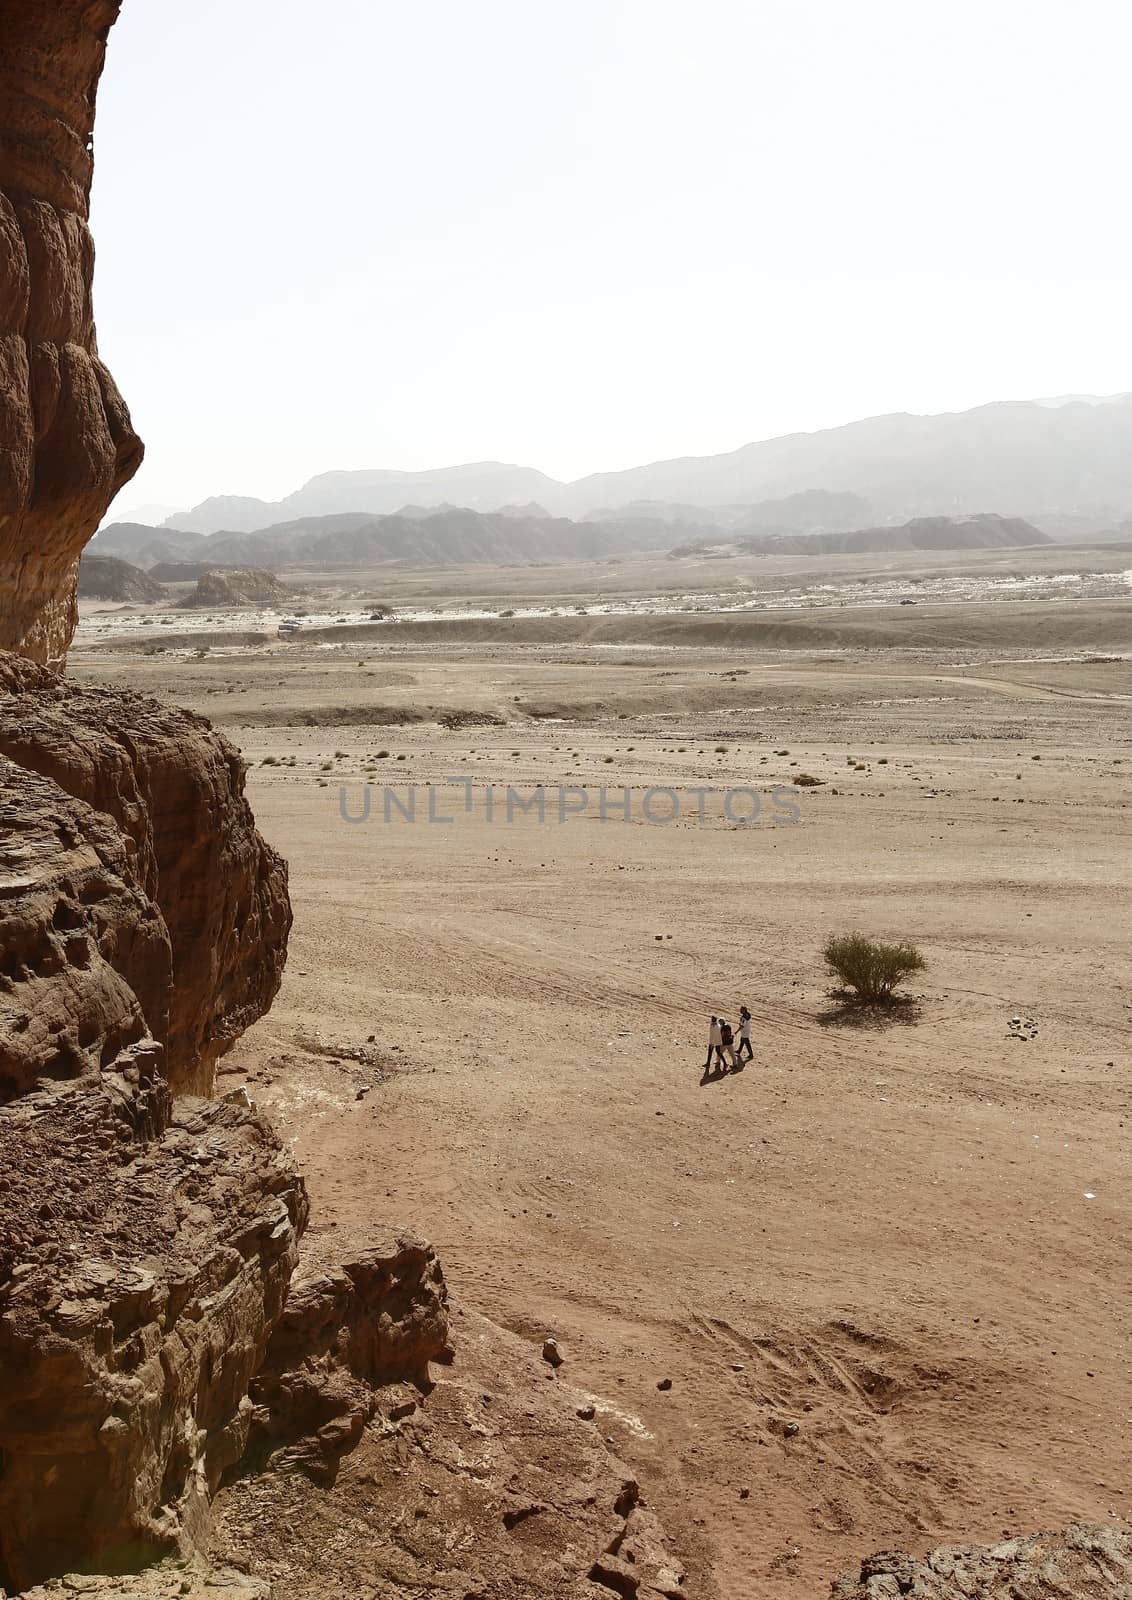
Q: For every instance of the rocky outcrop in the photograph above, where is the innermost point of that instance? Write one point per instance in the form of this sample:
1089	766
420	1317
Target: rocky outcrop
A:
237	586
132	1318
107	578
85	958
145	1249
165	1580
1082	1563
66	442
378	1318
175	789
491	1483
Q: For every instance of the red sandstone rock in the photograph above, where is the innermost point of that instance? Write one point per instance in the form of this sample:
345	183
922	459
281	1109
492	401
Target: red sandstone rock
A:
66	442
175	787
85	960
133	1313
379	1318
486	1485
145	1253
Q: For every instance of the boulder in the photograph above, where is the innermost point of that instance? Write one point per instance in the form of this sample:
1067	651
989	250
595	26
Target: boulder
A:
145	1248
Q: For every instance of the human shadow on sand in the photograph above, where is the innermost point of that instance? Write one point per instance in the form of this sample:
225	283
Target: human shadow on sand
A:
717	1073
848	1010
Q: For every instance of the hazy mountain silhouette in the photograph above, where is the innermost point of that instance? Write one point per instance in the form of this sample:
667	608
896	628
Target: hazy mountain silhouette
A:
1024	458
983	532
457	536
1070	457
481	486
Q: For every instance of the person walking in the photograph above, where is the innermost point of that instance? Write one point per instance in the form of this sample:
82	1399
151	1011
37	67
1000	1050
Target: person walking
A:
714	1044
727	1042
745	1034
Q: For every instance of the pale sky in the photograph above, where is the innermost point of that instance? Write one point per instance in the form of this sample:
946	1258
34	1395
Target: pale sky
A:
586	234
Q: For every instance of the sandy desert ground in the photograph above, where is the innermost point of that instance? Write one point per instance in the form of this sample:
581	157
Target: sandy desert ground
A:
884	1268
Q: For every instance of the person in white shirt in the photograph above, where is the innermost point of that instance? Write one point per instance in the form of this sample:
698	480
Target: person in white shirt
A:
745	1034
715	1043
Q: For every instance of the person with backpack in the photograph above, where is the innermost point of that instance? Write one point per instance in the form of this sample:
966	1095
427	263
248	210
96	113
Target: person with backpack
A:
727	1042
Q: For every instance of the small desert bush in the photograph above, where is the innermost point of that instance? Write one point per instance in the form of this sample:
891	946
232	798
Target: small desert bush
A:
869	967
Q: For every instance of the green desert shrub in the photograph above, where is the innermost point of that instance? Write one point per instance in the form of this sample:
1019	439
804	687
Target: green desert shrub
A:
869	967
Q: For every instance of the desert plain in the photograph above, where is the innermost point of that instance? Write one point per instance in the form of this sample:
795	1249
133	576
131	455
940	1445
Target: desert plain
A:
871	1290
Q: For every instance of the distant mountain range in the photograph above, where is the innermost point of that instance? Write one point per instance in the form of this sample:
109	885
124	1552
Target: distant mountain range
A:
983	532
447	536
457	536
1068	458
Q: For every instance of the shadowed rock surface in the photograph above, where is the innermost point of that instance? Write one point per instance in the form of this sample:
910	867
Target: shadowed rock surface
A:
66	442
378	1318
175	788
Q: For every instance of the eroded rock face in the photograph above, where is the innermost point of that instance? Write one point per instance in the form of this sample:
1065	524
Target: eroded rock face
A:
165	1580
85	958
133	1314
66	442
145	1250
1082	1563
490	1484
377	1318
175	788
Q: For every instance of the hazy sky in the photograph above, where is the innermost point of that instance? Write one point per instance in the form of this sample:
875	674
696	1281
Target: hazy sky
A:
591	233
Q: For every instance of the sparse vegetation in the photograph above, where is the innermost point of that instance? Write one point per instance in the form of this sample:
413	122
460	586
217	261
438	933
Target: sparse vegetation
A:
869	967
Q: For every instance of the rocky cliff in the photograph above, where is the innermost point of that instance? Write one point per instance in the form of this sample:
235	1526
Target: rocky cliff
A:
146	1244
66	442
175	789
